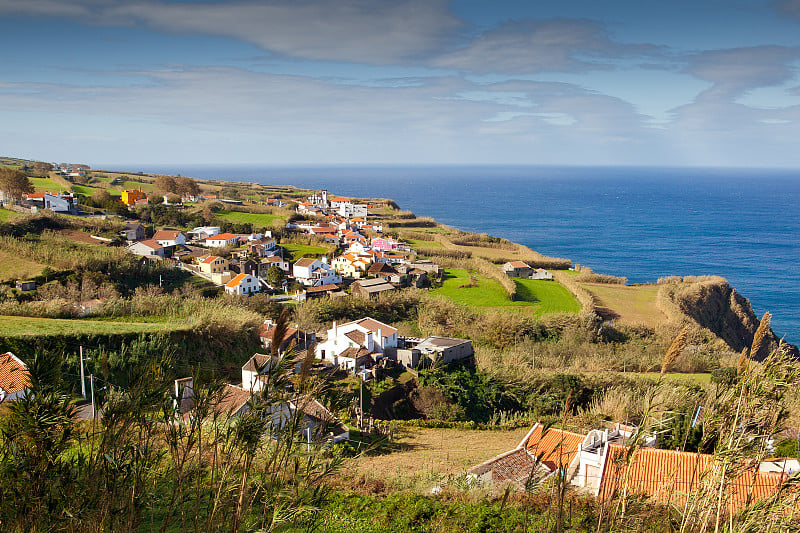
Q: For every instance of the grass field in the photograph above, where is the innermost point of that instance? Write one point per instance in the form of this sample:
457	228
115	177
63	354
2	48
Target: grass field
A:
15	267
83	190
6	215
539	296
300	250
46	185
259	220
430	453
15	326
416	243
551	296
630	303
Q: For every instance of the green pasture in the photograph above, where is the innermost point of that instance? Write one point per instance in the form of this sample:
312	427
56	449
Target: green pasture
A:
258	220
417	243
46	185
304	250
6	215
539	296
17	326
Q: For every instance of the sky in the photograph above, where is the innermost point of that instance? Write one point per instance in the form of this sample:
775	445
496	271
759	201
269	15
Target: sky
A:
401	82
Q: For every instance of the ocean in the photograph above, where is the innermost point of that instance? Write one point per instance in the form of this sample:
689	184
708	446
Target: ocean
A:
641	223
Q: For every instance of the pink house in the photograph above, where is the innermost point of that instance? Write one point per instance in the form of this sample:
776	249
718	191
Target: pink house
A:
383	244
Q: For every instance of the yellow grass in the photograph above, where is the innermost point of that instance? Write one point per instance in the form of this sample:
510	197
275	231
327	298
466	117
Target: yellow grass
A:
630	303
436	452
14	267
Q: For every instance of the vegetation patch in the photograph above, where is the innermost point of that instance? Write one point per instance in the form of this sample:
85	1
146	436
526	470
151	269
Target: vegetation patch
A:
16	267
7	215
16	326
552	297
417	243
633	304
46	185
304	250
258	220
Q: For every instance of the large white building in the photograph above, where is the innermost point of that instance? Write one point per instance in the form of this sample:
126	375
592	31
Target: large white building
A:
348	344
315	272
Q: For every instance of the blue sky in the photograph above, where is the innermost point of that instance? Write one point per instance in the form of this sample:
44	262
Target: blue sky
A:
316	82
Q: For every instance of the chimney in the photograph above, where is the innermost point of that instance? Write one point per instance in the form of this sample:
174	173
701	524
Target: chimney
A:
334	329
370	344
380	339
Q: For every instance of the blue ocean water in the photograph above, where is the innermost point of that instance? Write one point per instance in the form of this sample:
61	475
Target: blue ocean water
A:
642	223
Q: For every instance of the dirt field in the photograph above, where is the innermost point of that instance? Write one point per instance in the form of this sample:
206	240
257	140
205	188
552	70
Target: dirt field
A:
631	304
79	236
433	453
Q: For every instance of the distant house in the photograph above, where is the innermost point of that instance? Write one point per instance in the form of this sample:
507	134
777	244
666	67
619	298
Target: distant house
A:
169	237
350	265
381	270
267	334
213	264
324	290
313	272
370	287
385	244
541	273
133	231
223	239
14	377
262	247
129	197
357	343
444	350
60	203
268	262
242	284
150	248
25	285
517	269
244	266
203	232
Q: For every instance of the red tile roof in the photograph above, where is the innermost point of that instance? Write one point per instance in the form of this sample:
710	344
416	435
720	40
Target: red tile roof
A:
223	237
554	447
14	375
210	259
671	476
236	281
165	234
373	325
151	243
518	264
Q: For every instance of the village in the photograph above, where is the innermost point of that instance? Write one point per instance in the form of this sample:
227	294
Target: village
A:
367	262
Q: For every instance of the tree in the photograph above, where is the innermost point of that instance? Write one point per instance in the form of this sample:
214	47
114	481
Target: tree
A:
186	186
41	169
274	276
14	183
164	183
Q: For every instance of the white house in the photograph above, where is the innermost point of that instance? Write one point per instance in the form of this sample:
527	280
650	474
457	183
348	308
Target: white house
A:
350	210
242	284
223	239
203	232
313	272
169	237
349	343
541	273
149	248
60	203
14	377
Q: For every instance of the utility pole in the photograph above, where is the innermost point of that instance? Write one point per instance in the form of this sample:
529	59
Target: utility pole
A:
361	404
91	383
83	379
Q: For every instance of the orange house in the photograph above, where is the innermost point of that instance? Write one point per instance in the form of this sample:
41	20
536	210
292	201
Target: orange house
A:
131	196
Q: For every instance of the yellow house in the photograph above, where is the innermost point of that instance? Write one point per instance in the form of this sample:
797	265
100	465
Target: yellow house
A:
213	264
349	265
131	196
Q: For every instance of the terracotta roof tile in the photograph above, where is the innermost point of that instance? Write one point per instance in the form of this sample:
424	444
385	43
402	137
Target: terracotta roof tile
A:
554	447
236	281
670	476
14	375
356	336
